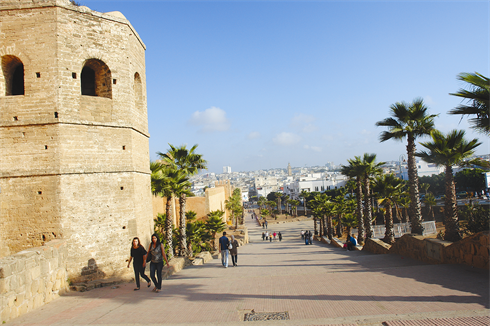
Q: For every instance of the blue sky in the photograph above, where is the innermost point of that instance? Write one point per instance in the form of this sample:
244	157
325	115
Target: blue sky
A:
258	84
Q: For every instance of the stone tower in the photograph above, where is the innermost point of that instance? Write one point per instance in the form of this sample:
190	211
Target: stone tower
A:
73	134
290	172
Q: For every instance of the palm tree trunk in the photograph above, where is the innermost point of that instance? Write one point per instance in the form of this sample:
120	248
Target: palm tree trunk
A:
450	208
329	227
183	240
360	225
389	234
279	207
415	210
315	225
304	204
168	227
367	208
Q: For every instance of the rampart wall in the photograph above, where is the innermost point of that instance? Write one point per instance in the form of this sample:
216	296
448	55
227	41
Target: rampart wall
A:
31	278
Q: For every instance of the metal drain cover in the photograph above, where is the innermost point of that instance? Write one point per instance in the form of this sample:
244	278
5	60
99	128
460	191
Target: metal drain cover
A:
261	316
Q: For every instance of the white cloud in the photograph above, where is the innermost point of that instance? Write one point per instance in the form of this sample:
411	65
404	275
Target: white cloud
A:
303	122
212	119
286	139
253	135
313	148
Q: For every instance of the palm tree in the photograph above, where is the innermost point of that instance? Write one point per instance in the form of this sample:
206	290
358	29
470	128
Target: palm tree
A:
189	163
370	168
215	224
304	195
387	188
355	171
350	221
448	150
261	201
411	121
478	97
430	202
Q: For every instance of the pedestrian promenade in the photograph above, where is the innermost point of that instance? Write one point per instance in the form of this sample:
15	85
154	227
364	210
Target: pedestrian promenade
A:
307	284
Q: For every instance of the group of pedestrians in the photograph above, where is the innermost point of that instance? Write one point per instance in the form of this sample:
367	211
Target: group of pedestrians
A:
271	236
228	247
307	236
155	255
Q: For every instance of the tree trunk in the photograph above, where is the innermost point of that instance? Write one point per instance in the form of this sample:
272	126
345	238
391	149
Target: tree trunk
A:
415	211
329	227
304	204
450	209
360	225
279	205
315	225
389	234
168	227
368	217
183	238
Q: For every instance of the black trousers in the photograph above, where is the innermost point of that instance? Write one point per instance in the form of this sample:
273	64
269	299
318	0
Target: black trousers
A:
139	270
234	259
156	267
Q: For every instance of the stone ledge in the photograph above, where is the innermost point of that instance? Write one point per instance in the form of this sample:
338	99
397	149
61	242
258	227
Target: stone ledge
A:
376	246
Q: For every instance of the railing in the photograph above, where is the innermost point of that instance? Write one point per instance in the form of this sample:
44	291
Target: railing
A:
401	229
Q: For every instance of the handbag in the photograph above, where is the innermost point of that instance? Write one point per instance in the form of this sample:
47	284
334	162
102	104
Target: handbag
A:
230	246
148	256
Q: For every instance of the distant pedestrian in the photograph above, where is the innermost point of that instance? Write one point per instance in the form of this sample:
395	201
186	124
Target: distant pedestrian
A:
224	243
311	237
280	236
263	236
270	237
306	237
274	235
302	234
266	224
234	251
157	253
263	225
138	256
266	235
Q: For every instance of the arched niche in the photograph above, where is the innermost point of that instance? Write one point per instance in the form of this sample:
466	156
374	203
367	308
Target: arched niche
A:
138	91
96	79
13	75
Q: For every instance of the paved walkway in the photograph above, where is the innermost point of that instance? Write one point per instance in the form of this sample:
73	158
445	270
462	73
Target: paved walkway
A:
315	285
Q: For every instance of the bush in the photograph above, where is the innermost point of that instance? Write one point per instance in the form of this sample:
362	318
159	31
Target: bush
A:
477	219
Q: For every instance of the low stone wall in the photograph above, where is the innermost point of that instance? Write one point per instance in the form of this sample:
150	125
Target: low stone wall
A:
473	251
376	246
32	278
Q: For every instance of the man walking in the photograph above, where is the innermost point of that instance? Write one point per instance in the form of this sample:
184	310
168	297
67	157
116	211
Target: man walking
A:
223	249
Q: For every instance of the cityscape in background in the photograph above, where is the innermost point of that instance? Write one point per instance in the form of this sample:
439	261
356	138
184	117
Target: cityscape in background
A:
292	180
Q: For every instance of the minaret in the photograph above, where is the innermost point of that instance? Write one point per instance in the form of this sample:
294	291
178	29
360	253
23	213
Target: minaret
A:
289	170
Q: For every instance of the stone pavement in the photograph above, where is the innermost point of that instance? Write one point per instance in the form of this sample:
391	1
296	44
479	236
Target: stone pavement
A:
311	285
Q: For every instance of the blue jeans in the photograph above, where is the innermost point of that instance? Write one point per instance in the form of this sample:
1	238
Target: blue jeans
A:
156	267
224	257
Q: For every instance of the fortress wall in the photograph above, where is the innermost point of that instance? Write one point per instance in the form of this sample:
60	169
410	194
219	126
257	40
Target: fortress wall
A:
75	166
215	200
32	278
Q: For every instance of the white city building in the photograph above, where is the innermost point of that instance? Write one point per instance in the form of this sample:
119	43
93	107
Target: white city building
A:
315	182
226	169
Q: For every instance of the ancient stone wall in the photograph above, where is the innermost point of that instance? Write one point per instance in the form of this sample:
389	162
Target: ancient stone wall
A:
31	278
473	250
75	155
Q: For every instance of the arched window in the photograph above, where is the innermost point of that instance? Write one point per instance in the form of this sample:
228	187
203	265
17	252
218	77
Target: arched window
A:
13	75
138	91
96	79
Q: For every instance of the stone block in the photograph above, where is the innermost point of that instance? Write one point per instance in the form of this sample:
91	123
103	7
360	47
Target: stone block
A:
4	285
11	299
49	286
5	270
5	314
57	285
42	286
35	286
376	246
19	298
35	272
23	308
37	301
337	243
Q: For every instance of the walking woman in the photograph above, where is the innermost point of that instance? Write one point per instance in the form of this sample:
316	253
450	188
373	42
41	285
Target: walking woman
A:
157	253
234	251
138	256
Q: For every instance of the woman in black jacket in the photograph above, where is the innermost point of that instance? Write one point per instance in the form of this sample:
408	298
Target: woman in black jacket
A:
138	256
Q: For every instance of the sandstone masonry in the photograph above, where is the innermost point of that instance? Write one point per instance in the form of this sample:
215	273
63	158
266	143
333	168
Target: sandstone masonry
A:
73	134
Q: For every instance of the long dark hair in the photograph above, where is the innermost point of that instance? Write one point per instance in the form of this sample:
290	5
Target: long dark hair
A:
156	244
139	242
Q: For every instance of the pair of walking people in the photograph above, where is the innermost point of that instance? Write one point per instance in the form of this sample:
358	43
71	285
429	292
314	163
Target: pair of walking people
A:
140	257
227	247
